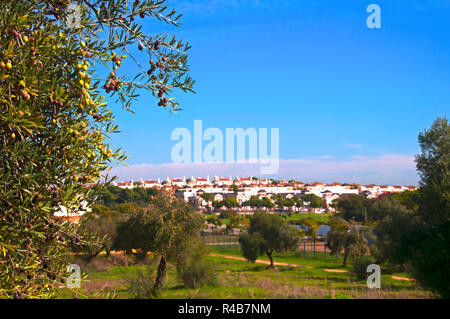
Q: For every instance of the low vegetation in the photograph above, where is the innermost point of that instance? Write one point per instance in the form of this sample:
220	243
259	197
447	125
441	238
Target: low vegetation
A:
242	279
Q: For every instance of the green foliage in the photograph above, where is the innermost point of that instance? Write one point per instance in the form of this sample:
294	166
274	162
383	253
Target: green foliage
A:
311	226
166	228
267	233
345	235
360	266
103	221
255	201
427	247
217	204
313	200
207	197
383	208
194	270
140	283
394	222
54	121
230	202
113	195
228	214
281	202
409	199
353	207
214	220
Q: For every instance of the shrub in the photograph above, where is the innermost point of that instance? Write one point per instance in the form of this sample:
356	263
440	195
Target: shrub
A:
197	274
140	286
360	266
192	268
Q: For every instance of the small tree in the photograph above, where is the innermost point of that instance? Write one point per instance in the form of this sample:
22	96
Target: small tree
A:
313	200
207	197
409	199
353	207
279	201
267	233
266	202
345	235
101	221
166	228
311	227
230	202
254	201
396	223
193	269
360	266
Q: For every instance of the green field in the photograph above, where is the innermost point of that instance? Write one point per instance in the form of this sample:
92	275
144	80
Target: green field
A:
242	279
320	218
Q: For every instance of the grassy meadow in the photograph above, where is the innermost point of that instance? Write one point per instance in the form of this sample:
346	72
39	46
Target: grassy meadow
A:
323	278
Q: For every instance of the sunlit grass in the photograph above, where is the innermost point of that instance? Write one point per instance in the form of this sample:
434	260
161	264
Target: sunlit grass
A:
243	279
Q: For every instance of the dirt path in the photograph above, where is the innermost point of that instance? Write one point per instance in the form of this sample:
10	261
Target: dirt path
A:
336	270
266	262
402	278
260	261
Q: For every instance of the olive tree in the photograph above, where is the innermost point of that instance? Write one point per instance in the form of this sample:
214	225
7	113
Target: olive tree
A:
267	233
166	228
346	236
60	61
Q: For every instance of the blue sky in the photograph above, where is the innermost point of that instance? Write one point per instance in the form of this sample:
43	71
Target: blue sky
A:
349	101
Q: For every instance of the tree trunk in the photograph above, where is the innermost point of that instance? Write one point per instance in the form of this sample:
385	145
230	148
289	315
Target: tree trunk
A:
269	254
345	258
161	274
92	256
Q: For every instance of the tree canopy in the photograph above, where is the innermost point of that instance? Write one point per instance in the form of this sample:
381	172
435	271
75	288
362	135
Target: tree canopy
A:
426	248
353	207
346	236
313	200
267	233
60	62
167	228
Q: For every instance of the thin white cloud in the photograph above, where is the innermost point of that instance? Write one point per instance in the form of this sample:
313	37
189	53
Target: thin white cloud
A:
381	169
323	157
353	145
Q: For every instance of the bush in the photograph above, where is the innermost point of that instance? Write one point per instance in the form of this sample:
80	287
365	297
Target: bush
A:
140	286
192	268
197	274
360	266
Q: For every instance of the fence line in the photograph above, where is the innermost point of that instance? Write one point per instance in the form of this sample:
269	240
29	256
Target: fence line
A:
310	247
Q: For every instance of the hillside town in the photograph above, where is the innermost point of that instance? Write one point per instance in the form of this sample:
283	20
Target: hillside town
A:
244	188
